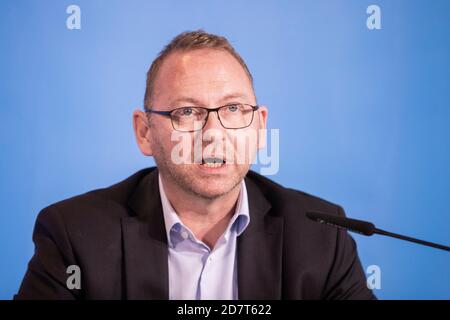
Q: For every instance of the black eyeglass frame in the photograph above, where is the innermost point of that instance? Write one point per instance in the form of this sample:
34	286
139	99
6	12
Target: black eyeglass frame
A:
169	114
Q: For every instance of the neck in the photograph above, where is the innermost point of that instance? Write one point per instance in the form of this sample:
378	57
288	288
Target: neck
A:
206	218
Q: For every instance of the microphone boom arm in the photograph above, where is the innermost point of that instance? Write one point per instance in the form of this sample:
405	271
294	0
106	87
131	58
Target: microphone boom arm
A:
365	228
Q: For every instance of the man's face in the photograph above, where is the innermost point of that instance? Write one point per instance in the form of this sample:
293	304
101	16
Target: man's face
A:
203	78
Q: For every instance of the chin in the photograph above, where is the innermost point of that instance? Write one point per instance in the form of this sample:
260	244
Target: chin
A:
211	188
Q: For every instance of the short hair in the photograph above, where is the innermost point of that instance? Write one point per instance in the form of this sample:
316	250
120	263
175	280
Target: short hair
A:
184	42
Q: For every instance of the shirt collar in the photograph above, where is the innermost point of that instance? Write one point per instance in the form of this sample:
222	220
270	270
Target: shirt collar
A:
239	221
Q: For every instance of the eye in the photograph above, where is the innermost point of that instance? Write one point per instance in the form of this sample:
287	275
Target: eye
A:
233	107
186	111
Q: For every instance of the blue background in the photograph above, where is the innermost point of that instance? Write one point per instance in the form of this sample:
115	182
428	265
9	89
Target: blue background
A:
363	114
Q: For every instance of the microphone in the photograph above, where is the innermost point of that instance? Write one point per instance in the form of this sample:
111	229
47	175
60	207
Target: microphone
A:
365	228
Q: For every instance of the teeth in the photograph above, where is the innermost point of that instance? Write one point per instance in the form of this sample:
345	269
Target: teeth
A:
213	160
212	165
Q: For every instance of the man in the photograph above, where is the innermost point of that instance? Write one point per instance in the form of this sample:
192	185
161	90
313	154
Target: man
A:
200	227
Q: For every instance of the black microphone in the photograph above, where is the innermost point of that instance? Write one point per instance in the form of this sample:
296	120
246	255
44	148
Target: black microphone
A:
365	228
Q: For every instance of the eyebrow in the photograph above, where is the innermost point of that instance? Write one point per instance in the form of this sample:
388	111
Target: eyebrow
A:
199	103
185	100
234	96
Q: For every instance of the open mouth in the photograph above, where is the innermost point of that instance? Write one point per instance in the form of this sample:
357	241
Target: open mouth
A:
213	162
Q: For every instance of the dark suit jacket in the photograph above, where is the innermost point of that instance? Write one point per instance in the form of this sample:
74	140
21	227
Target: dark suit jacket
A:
117	237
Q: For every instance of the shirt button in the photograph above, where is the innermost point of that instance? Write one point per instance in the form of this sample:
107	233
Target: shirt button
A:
184	234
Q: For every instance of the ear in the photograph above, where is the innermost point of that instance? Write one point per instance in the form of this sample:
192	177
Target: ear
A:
142	132
262	134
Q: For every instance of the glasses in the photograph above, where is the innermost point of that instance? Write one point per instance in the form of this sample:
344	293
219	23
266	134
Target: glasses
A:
190	119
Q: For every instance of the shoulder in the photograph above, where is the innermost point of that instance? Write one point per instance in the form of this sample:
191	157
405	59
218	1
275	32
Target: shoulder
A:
288	201
291	206
301	236
96	208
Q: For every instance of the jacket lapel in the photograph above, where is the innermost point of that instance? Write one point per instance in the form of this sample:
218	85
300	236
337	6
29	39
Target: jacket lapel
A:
145	243
259	250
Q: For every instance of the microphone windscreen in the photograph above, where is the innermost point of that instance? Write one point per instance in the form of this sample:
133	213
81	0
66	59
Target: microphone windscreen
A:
359	226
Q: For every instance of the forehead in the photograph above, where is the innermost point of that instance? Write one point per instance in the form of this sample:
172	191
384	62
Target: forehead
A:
205	75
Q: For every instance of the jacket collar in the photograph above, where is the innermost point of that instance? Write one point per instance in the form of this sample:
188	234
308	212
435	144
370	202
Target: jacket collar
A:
259	250
145	244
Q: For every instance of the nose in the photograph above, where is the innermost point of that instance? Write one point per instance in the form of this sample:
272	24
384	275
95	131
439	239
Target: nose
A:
213	135
213	121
